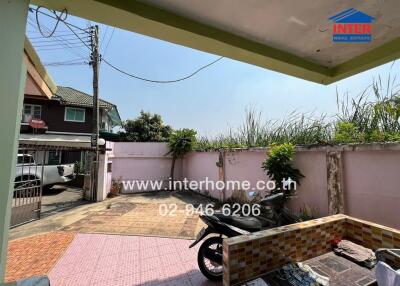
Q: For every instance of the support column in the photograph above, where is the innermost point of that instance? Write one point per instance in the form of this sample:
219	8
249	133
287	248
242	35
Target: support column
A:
335	186
102	178
221	172
13	14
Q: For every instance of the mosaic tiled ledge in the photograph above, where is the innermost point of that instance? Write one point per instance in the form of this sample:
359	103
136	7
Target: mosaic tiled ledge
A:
252	255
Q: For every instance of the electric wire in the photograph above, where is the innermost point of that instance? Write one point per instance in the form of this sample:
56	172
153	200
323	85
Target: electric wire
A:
66	61
56	18
62	17
162	81
69	26
59	39
104	36
65	64
59	48
109	40
51	40
56	45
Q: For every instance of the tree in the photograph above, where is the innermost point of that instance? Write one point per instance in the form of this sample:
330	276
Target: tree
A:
146	128
180	143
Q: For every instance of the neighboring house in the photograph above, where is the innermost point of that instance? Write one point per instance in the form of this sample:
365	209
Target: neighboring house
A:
68	112
59	116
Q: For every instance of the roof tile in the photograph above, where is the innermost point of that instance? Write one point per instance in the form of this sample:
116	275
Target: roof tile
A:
71	96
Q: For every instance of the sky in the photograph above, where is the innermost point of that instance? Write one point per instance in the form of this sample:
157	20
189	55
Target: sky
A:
210	102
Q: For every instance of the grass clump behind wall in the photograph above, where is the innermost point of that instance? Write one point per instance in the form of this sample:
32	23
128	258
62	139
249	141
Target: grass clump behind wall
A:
373	116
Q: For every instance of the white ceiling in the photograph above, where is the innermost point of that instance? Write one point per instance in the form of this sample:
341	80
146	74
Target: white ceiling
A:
300	27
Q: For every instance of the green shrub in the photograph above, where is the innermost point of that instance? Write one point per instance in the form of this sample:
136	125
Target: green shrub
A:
346	132
278	166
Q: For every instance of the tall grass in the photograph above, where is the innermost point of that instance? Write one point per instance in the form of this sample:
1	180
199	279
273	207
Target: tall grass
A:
374	114
297	129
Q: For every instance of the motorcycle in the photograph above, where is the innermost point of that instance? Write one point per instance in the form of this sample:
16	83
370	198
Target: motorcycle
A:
221	226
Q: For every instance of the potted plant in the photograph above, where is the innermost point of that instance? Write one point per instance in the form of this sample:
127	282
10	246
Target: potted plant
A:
116	187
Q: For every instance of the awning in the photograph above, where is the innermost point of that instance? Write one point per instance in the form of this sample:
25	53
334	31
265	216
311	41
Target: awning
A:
76	141
113	115
109	136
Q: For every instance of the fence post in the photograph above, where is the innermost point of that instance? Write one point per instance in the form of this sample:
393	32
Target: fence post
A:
334	181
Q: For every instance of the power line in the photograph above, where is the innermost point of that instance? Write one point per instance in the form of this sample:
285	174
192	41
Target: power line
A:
59	39
69	34
65	64
83	42
38	45
104	36
162	81
51	40
58	48
68	25
66	61
109	40
57	18
62	17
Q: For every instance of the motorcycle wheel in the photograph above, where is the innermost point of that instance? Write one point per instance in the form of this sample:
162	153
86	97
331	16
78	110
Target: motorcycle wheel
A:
212	270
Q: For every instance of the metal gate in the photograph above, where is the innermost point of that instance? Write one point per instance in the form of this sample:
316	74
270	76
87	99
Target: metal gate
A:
27	195
28	185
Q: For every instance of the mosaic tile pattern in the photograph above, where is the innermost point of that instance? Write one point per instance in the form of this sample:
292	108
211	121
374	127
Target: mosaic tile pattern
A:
35	255
250	256
373	236
98	259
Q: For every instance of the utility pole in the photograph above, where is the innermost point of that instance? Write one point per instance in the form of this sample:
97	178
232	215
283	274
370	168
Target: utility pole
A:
95	60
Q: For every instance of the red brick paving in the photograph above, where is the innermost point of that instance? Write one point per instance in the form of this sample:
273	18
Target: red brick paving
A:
35	255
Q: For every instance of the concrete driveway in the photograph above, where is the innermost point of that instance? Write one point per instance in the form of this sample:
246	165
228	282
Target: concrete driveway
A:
60	199
136	214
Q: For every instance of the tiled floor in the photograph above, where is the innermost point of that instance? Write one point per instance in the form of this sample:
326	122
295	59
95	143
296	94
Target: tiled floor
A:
98	259
35	255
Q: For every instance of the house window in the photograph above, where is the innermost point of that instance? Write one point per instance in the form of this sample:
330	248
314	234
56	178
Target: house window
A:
74	114
31	111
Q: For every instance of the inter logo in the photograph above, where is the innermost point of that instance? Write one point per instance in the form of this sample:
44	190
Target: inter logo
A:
352	25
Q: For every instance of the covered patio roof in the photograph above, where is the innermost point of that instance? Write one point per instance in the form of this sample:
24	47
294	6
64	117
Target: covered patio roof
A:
291	37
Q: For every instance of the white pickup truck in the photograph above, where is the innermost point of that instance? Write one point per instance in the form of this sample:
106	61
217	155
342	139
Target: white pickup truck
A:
28	170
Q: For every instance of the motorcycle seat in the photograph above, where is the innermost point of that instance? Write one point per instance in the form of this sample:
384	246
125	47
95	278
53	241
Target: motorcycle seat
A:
250	224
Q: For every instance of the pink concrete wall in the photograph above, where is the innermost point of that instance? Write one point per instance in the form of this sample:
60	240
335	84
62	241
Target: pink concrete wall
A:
198	166
143	161
369	177
246	165
372	190
312	192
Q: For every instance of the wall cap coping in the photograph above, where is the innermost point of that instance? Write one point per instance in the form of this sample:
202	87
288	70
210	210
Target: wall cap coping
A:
384	146
283	229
